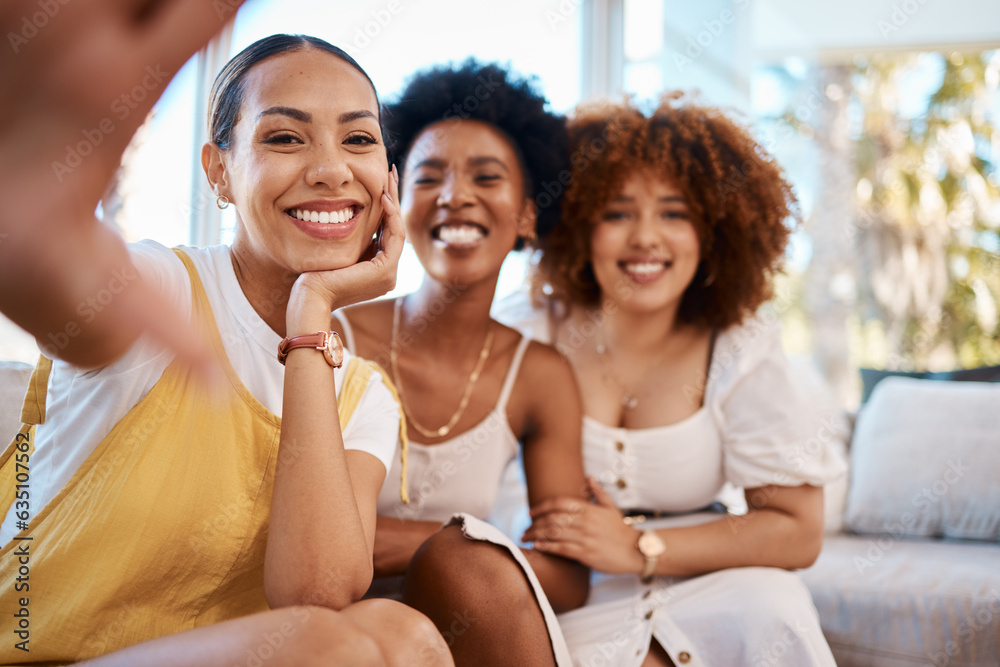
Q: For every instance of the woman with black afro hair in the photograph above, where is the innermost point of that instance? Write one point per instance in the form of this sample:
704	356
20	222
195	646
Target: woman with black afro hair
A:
480	160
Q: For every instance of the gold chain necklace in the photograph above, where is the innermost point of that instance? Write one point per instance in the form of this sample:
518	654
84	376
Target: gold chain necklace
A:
630	398
462	404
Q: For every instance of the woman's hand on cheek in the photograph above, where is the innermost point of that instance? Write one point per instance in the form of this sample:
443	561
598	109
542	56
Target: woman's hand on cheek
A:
368	278
593	534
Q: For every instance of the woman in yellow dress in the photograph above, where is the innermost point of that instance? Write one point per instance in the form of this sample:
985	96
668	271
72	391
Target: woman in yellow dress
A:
157	519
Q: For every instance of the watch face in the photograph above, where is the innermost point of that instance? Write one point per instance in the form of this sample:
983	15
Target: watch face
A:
334	351
650	544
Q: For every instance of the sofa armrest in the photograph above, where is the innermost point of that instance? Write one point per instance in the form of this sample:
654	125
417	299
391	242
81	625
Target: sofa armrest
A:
14	377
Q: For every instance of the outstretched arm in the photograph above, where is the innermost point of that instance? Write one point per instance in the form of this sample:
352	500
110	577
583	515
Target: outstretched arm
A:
69	110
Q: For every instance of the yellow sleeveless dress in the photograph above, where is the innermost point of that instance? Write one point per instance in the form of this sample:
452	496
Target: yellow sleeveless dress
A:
161	529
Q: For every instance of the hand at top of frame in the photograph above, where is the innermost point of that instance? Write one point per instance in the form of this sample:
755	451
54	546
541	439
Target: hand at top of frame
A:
76	81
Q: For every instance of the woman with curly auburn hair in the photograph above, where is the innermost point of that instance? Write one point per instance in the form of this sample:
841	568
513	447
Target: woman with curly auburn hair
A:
476	147
653	285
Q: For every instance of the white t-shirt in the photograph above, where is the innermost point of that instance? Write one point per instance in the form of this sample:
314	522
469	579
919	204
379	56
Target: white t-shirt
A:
83	406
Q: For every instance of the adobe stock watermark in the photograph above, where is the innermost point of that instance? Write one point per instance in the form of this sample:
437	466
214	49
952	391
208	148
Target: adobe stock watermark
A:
727	355
226	8
380	20
562	13
737	178
608	653
577	337
215	528
704	39
875	208
759	499
421	490
929	328
775	654
581	159
88	309
971	626
922	501
30	25
120	108
112	633
273	640
471	103
899	17
458	627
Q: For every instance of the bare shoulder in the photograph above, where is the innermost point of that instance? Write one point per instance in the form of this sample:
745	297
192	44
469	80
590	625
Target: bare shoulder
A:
546	396
545	369
371	325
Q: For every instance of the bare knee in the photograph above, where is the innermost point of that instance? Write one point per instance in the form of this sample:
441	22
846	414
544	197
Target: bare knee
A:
320	637
480	600
449	562
440	548
473	591
409	637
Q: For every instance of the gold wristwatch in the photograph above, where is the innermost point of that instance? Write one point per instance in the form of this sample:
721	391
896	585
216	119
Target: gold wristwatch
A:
651	547
327	341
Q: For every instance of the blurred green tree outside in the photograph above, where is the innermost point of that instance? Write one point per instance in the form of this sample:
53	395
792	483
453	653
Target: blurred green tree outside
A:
897	264
928	214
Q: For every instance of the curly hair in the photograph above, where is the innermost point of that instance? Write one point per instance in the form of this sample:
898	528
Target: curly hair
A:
737	194
490	94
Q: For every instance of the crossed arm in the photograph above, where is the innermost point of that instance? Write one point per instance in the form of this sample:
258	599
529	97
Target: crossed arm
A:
783	528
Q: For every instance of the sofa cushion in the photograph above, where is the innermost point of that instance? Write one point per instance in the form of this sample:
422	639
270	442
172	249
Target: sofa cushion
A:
872	376
889	602
925	460
14	376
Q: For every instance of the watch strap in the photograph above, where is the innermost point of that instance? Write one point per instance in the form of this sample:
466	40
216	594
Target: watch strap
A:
648	569
321	340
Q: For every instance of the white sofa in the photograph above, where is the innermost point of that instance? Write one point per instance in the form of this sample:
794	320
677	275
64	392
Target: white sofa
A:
14	377
913	575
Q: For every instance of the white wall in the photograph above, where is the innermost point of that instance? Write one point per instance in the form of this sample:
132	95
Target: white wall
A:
793	27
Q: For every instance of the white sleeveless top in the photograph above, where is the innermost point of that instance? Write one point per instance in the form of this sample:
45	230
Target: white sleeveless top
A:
462	474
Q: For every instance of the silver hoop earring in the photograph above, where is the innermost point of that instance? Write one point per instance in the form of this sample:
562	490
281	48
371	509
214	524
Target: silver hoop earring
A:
222	201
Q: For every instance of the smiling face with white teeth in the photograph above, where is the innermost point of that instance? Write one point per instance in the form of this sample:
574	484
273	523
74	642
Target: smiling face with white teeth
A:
306	166
463	200
644	245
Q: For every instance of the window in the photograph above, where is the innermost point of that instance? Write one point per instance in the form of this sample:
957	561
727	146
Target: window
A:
885	117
